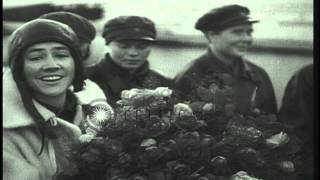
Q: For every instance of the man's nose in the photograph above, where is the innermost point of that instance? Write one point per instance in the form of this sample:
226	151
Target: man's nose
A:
133	51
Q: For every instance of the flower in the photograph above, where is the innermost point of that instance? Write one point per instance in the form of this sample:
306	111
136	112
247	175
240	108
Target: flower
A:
189	123
204	140
138	177
248	157
114	174
204	94
207	177
129	94
219	165
242	175
148	143
277	140
213	88
124	159
287	166
179	169
181	109
162	91
86	138
218	161
117	178
191	148
156	125
150	155
242	132
208	107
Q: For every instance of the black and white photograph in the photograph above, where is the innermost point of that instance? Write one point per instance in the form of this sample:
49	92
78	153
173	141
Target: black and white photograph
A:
158	90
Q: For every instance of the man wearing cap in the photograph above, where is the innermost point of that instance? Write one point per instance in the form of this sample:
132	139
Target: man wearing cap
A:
86	33
228	31
126	65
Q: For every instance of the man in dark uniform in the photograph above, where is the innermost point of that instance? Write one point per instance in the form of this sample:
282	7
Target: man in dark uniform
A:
126	65
228	31
297	111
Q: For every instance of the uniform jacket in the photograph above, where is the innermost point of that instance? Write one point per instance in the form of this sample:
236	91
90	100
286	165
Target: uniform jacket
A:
112	79
248	79
22	140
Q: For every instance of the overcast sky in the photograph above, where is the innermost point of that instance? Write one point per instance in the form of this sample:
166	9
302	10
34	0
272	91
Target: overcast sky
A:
180	15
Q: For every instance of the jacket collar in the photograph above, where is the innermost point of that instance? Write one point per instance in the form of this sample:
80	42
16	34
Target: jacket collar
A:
119	78
243	67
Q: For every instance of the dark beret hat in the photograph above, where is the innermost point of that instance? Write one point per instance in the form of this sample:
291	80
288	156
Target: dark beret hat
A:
84	29
224	17
129	27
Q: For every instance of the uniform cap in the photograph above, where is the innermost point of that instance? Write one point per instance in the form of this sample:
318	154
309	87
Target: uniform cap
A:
84	29
224	17
129	27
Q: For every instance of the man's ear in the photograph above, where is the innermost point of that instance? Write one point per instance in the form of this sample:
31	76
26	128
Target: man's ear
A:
210	35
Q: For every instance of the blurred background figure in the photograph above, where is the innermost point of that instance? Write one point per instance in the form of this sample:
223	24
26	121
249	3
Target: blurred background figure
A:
297	111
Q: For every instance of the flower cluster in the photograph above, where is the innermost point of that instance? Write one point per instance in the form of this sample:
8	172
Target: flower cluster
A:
150	137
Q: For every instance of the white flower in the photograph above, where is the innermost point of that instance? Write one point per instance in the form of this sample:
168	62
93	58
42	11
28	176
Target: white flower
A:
129	94
277	140
287	166
208	107
181	109
86	138
148	142
162	91
242	175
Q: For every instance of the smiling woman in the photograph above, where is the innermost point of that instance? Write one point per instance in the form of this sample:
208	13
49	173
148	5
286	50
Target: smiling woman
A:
40	112
49	70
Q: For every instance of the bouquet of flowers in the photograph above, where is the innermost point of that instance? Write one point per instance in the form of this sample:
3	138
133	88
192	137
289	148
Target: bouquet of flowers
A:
147	136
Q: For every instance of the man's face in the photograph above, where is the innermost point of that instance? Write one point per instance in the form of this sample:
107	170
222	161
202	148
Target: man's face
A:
130	54
49	69
233	41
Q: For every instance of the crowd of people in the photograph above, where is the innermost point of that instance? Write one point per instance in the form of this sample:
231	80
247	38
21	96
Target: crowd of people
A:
49	82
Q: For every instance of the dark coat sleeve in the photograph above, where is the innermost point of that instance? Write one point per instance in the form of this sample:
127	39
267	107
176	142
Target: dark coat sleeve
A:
297	111
297	104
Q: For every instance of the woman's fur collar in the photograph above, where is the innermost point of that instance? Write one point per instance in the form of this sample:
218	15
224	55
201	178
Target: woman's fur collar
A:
14	113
